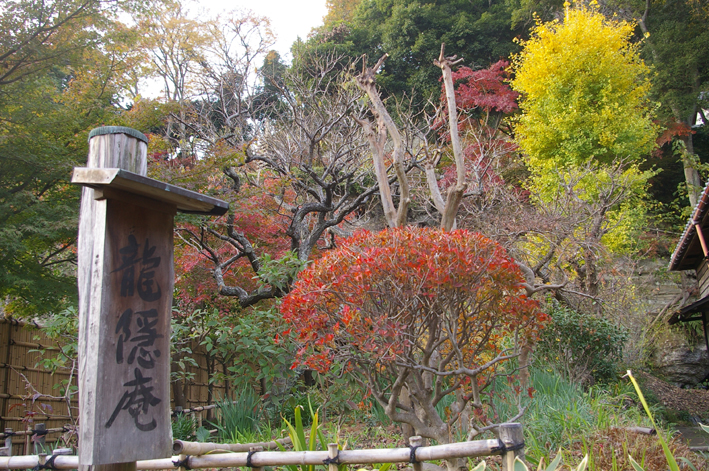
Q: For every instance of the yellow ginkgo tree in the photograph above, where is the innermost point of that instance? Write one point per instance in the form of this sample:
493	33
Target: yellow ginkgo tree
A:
586	125
583	92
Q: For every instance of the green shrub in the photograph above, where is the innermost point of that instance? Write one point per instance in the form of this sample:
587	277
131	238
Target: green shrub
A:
582	347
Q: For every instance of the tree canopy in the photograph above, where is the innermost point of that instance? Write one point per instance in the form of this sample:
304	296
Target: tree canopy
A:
411	32
584	93
418	309
62	67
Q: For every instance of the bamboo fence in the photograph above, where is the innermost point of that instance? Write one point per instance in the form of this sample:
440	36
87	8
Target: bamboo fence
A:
21	344
509	445
28	394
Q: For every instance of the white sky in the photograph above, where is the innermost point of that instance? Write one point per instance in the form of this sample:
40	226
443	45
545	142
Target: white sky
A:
290	19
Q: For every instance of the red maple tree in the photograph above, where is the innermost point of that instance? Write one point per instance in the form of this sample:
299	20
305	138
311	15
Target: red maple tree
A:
418	309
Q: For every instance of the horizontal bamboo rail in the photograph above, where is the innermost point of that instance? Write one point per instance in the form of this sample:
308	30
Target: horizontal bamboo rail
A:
177	411
20	433
37	346
181	447
37	418
21	323
44	399
643	430
59	371
280	458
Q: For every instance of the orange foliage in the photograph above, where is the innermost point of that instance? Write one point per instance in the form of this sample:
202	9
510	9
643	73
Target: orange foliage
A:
393	297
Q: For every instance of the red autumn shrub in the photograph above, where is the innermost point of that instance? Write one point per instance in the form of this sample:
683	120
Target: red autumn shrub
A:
414	315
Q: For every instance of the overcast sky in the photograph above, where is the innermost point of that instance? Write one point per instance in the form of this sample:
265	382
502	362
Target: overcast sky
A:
289	18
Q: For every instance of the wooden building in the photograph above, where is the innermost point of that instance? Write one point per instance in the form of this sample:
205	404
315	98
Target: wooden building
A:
692	253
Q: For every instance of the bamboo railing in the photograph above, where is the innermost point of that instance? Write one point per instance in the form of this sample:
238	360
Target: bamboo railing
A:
509	445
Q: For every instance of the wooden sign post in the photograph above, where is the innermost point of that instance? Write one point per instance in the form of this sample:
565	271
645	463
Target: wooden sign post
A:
126	278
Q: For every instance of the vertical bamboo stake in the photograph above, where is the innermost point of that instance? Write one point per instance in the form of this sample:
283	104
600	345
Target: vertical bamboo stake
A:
41	439
28	439
8	441
415	441
332	452
252	450
512	436
182	460
6	380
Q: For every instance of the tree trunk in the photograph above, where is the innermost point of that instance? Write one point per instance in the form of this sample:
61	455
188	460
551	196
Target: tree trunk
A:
691	174
178	393
407	430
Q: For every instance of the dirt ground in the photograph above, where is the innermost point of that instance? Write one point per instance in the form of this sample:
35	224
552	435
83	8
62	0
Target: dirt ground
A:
693	401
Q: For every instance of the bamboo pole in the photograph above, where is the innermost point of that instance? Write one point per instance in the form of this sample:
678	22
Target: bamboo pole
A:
39	346
6	379
643	430
31	432
512	437
180	447
475	448
198	408
44	399
28	438
415	443
333	454
395	455
21	323
38	417
36	370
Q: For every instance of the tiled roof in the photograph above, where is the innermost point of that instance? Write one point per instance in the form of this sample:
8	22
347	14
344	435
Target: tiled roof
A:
688	252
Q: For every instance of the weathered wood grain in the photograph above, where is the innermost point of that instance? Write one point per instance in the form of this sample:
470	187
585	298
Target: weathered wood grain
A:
125	281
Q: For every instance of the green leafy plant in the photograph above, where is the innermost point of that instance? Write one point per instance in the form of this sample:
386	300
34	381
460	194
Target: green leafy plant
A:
202	435
238	419
378	467
296	432
280	272
183	427
583	347
519	465
561	413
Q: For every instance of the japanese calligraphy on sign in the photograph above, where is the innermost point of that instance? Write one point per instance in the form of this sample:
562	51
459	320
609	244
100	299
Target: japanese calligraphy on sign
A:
133	352
137	332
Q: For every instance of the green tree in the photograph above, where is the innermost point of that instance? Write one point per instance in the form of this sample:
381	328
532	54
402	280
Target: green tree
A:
411	32
340	11
677	34
62	64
